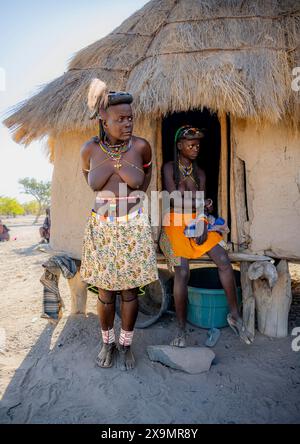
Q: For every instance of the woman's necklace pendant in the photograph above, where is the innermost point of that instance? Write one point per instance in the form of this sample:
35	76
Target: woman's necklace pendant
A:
116	152
186	171
118	165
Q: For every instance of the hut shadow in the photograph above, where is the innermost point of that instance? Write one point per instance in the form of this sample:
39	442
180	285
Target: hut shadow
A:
55	365
12	398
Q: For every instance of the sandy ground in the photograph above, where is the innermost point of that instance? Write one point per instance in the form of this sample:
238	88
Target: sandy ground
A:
49	375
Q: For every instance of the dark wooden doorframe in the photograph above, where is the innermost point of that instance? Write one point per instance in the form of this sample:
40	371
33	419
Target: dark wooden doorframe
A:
224	170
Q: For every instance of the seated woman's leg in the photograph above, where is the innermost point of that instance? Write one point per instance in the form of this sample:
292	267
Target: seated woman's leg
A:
180	292
220	257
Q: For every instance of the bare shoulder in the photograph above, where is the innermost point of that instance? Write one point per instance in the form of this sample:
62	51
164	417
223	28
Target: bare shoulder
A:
201	173
143	148
141	144
88	146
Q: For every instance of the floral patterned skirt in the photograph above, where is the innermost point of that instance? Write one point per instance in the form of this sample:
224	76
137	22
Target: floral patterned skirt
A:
118	255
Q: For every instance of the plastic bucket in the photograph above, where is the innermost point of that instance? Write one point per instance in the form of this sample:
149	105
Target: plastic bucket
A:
207	304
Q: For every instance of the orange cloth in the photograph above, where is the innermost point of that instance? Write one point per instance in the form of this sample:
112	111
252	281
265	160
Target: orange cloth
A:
174	225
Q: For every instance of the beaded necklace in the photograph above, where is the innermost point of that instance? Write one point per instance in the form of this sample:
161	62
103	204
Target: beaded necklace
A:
186	171
115	146
115	152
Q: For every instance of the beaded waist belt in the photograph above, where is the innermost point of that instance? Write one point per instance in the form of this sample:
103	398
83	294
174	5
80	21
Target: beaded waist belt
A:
124	218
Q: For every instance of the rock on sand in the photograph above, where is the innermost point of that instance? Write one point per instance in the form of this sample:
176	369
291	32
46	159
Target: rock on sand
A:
191	360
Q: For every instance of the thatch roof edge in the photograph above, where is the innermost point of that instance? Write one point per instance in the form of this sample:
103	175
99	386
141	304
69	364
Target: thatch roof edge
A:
225	78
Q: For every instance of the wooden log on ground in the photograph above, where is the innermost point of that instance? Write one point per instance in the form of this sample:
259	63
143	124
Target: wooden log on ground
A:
273	305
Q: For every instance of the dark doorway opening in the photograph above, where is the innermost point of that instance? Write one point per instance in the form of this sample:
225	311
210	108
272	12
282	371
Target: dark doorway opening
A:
209	157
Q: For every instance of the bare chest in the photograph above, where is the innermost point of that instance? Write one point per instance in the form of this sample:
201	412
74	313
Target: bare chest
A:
108	171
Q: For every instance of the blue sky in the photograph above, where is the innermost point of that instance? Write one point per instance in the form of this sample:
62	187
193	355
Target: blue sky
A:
38	38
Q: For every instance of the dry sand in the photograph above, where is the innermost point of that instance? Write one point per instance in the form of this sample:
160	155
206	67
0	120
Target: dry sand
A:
49	376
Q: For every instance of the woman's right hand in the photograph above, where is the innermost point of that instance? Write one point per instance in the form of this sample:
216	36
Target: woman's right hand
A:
203	237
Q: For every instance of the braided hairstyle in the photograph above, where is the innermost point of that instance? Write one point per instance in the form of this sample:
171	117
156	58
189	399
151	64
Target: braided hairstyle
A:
176	172
101	131
100	137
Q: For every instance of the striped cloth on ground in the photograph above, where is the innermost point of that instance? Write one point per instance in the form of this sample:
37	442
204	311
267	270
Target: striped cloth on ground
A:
52	301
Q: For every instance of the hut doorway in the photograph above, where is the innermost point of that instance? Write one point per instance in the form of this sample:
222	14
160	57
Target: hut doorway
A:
214	156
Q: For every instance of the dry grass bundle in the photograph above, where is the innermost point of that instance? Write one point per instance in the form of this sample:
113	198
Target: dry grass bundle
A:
175	55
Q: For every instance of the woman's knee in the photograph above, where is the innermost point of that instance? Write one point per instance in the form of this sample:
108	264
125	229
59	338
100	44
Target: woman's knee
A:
129	295
106	297
223	262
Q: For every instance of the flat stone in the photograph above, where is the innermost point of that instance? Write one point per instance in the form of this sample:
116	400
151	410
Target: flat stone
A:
191	360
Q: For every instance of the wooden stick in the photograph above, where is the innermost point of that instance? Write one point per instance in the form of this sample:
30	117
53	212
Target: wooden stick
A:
223	172
234	257
248	299
233	209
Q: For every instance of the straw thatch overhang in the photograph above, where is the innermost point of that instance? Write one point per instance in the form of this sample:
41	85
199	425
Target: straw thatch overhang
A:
231	56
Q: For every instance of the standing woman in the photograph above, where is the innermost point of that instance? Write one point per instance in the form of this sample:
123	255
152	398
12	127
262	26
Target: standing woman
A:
118	252
183	174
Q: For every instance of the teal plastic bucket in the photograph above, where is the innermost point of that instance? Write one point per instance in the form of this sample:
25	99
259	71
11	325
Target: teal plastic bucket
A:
207	304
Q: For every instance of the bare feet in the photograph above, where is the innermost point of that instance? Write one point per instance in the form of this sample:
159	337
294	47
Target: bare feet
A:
126	358
105	357
180	338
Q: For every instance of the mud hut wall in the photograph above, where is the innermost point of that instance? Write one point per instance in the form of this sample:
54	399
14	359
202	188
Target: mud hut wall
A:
72	199
271	156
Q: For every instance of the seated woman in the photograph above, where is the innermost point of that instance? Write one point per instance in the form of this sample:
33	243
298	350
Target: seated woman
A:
4	232
186	237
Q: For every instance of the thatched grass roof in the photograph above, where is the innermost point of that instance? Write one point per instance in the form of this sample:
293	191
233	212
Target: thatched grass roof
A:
234	56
